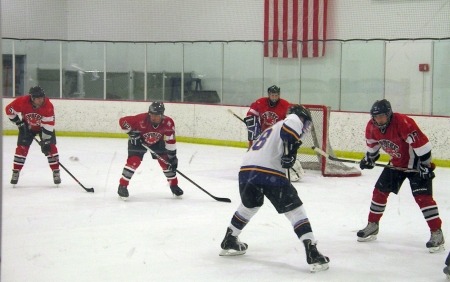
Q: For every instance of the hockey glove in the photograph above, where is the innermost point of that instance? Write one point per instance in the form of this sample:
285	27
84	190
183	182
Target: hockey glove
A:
253	127
287	161
135	138
23	128
368	162
45	146
173	160
426	171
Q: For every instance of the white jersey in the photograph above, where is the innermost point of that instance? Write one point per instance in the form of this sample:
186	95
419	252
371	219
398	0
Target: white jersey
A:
266	152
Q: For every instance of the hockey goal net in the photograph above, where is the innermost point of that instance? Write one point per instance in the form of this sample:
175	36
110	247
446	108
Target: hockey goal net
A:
318	137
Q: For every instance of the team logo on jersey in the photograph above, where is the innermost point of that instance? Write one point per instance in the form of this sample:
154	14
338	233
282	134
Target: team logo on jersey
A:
269	118
152	137
33	119
390	148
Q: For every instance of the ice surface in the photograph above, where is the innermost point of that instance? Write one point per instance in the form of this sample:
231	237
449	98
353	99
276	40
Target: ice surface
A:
67	234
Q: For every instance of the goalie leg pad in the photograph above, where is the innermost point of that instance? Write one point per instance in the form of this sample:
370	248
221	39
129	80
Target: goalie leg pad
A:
296	171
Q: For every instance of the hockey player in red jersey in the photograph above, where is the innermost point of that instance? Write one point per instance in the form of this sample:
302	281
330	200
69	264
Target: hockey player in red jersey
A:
265	112
262	175
156	131
408	147
37	118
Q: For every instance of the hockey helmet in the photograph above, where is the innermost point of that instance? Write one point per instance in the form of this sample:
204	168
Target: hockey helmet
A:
274	95
37	92
381	107
156	108
273	89
303	113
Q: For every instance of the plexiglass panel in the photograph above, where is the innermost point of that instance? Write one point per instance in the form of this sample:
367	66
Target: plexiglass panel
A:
83	67
164	69
441	78
320	78
350	77
125	68
362	75
243	72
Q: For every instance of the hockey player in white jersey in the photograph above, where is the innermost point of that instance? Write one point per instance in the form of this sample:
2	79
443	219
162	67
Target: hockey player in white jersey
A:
262	174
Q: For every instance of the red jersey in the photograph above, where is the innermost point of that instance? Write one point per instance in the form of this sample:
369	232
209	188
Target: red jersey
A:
267	115
37	119
403	140
150	134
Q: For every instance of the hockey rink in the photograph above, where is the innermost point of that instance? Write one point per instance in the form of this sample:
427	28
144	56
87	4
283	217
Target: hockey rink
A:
67	234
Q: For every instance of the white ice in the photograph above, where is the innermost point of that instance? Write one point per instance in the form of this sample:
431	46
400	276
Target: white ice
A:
67	234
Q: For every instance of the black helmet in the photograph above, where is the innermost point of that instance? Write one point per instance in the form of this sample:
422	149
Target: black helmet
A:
156	108
381	107
37	92
273	89
301	112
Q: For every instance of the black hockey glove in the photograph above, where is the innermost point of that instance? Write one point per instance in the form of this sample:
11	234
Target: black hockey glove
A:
287	161
426	171
368	162
135	138
23	128
45	146
173	160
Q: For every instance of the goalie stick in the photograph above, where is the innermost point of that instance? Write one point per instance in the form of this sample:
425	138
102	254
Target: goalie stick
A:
238	117
90	190
326	155
226	200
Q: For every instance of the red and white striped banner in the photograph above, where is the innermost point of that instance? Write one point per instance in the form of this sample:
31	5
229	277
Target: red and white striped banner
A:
286	22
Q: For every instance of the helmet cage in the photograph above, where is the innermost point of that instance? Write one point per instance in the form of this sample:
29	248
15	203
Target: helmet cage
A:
381	107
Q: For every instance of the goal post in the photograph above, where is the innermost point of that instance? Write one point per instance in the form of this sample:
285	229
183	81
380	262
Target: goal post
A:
319	137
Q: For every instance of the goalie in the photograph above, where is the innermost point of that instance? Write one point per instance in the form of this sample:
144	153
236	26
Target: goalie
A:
264	113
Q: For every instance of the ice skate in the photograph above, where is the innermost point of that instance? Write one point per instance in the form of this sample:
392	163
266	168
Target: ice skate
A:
176	190
447	271
231	246
123	192
317	261
369	233
436	242
56	177
15	176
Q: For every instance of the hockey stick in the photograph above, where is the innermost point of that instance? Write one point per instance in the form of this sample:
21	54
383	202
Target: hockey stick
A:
238	117
226	200
321	152
90	190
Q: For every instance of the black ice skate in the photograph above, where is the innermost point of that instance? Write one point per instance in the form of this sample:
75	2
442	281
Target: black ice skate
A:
317	261
123	192
56	176
15	176
447	271
369	233
231	246
436	242
176	190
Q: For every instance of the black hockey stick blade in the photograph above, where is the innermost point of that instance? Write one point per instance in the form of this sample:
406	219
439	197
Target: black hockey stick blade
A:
90	190
226	200
326	155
